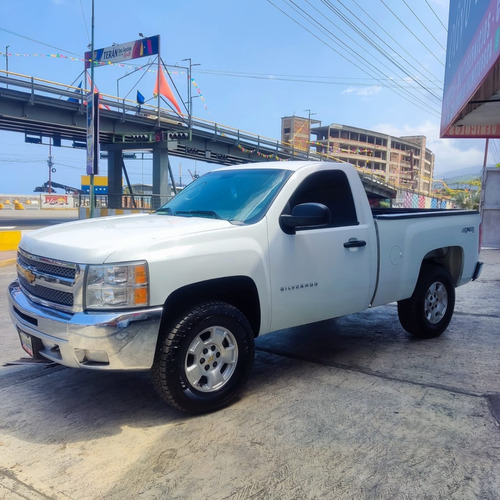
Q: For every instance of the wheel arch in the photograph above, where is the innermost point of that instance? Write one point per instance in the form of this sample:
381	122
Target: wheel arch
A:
239	291
451	258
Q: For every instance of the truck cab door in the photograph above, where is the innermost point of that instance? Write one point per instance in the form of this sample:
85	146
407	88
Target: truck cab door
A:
323	270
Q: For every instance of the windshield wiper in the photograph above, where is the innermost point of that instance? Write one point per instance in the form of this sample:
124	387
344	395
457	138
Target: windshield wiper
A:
201	213
166	210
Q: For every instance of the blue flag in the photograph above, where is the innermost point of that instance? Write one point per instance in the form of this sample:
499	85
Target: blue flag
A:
78	91
140	98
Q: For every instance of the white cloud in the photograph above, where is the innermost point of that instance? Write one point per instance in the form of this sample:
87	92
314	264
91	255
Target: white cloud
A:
363	91
451	154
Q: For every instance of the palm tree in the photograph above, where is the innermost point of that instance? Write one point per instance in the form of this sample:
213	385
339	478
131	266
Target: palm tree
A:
467	199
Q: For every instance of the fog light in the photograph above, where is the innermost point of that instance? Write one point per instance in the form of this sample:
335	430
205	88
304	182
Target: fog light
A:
87	356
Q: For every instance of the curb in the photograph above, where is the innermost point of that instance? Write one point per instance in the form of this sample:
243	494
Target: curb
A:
7	262
9	240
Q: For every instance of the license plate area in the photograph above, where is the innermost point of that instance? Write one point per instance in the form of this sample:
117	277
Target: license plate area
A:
31	345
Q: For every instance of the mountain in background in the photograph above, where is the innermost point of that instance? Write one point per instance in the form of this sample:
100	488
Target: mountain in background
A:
459	175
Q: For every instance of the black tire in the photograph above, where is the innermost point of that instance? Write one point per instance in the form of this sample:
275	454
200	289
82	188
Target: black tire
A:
427	313
204	359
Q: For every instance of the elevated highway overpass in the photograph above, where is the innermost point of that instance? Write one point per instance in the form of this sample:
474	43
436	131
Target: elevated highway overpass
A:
44	109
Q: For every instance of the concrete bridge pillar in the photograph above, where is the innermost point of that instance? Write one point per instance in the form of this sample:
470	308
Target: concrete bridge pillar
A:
115	178
161	187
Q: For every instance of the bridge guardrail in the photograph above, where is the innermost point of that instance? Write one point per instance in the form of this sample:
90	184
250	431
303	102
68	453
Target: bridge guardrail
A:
248	141
126	106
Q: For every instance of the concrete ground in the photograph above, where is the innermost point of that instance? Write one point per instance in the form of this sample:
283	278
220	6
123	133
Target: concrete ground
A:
346	409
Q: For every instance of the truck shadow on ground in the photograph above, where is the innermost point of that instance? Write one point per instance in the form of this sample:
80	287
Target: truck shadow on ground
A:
77	405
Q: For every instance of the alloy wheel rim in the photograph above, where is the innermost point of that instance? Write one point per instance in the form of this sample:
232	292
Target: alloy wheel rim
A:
436	302
211	359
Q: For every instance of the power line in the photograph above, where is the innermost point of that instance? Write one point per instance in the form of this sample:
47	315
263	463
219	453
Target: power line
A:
38	41
348	47
425	27
85	21
374	45
422	43
437	17
367	68
323	80
395	41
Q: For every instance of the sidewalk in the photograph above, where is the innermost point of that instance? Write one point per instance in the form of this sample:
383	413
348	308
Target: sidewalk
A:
7	257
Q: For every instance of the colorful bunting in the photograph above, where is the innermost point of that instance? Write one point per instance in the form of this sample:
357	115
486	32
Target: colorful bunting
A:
148	69
262	155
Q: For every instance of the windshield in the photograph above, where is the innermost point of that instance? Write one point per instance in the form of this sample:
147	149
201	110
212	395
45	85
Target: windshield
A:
240	196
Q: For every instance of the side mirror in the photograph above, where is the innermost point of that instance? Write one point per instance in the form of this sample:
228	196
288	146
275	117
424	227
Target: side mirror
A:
306	215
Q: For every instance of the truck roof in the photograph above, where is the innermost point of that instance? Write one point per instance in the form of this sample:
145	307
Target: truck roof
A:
286	165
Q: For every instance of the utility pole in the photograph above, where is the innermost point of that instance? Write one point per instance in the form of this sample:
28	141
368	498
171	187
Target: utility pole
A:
50	163
158	81
91	175
7	63
483	179
309	131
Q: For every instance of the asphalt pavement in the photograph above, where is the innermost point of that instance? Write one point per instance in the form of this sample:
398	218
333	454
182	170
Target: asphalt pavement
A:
351	408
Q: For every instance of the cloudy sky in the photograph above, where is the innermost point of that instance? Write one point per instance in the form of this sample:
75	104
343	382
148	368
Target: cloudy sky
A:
377	65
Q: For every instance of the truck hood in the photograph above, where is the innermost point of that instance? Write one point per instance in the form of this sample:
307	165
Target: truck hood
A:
94	241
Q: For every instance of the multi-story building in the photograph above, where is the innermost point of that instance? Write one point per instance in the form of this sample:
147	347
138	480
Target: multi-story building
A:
402	161
296	131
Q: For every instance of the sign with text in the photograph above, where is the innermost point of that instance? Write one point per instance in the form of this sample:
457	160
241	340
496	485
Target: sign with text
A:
58	201
473	49
93	133
124	51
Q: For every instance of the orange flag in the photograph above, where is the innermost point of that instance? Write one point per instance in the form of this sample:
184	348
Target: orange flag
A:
96	90
165	90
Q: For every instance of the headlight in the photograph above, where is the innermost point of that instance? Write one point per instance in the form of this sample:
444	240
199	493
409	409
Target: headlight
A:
117	286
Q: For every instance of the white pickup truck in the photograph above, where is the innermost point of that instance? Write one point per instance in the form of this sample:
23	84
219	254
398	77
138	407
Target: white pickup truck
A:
240	252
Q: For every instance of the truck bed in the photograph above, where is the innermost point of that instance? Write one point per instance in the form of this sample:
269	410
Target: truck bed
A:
409	213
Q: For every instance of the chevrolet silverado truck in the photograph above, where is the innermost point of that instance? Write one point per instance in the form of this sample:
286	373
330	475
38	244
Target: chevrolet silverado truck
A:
240	252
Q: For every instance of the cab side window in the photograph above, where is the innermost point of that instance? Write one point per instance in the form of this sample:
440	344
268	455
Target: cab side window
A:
330	188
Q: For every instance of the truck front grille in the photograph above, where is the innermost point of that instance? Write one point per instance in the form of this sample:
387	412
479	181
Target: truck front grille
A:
50	282
45	267
45	293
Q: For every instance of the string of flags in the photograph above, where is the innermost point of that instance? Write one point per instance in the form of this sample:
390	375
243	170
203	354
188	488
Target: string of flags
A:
195	85
336	149
147	68
262	155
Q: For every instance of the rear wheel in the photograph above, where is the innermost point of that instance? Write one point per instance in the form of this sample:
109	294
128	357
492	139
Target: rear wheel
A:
204	360
427	313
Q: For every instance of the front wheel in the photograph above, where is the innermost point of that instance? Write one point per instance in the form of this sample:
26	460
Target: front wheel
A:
427	313
204	360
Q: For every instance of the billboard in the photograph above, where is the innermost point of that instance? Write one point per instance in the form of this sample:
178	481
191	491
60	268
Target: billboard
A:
472	50
124	52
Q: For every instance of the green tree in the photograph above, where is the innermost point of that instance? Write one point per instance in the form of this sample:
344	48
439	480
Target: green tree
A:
468	199
467	194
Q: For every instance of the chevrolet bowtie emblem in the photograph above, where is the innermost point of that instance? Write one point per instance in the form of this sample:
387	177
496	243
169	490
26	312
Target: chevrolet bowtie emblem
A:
29	276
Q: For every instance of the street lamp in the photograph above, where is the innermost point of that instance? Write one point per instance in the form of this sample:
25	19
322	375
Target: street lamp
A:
190	98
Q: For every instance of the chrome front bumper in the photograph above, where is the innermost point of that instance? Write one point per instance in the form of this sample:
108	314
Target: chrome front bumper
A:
121	340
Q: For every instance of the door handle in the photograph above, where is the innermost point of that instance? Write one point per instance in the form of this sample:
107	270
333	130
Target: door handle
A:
354	243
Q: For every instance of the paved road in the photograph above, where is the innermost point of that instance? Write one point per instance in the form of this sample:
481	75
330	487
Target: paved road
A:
344	409
35	218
